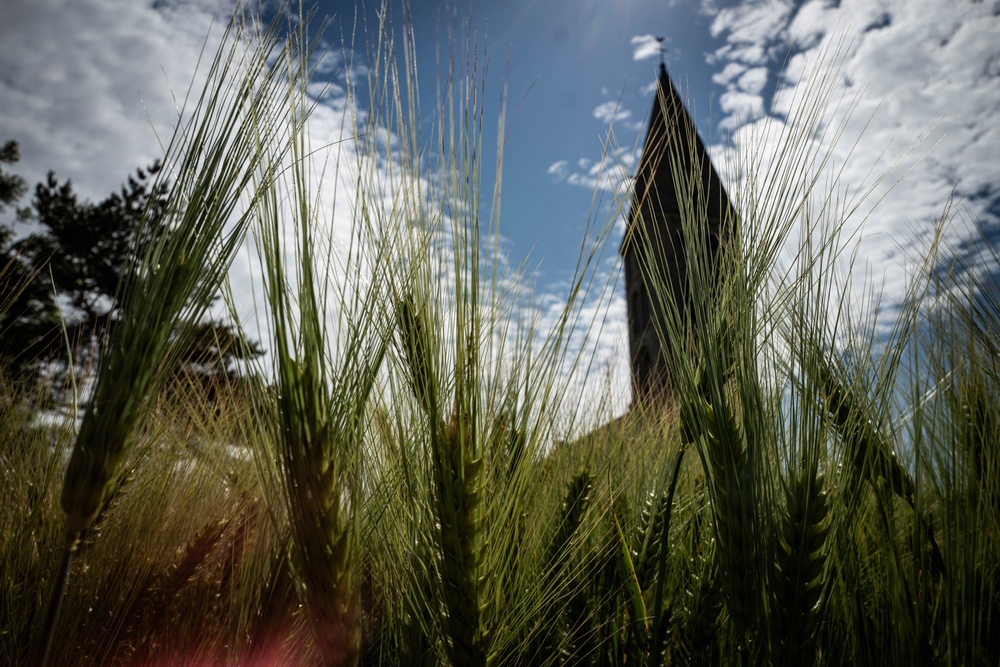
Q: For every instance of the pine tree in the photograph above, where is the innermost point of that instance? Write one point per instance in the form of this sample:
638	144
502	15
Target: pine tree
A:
64	280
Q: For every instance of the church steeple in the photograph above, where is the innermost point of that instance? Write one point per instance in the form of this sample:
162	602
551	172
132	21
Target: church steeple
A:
674	177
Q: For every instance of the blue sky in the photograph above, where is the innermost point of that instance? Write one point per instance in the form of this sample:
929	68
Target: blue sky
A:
570	70
81	81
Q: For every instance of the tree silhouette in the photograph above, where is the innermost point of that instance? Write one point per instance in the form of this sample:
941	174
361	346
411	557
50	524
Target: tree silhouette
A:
29	316
65	278
12	186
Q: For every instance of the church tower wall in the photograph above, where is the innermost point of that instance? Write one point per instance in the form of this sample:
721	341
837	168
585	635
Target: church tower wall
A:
653	247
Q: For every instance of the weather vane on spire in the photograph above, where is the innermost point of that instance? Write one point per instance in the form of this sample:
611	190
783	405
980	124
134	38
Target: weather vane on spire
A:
661	47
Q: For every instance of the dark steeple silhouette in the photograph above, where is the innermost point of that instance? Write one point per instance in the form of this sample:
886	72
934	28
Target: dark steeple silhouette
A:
674	177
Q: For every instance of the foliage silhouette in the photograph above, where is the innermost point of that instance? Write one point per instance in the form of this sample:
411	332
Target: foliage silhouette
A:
67	275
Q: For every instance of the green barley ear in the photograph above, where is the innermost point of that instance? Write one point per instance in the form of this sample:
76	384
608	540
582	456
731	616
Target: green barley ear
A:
868	450
634	602
457	482
213	160
325	377
658	558
648	545
556	568
416	342
581	640
457	486
978	431
724	451
568	520
416	645
699	627
797	578
514	447
457	472
224	140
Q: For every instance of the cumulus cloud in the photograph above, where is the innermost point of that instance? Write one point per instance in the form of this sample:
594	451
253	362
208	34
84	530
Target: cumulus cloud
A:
93	89
739	107
902	74
729	73
558	168
88	86
80	77
646	46
752	28
753	81
610	112
609	174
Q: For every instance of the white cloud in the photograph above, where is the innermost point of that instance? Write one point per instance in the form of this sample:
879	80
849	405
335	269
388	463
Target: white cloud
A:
610	112
728	73
558	168
80	78
919	72
646	46
751	29
90	85
609	174
810	24
753	81
740	107
753	21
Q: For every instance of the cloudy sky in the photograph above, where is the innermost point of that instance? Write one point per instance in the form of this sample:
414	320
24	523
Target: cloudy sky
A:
83	84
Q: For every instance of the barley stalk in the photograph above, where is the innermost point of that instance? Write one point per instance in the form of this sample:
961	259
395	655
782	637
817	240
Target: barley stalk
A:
457	481
722	443
869	450
797	578
416	637
568	521
699	628
162	589
648	545
661	618
324	386
321	416
212	158
555	624
634	602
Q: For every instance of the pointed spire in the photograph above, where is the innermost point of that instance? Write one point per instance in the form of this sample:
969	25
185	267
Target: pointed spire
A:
672	134
651	247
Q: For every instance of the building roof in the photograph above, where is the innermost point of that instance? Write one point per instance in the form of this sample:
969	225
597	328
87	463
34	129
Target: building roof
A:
672	143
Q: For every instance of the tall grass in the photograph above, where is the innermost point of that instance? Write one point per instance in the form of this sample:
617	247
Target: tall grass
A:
398	489
221	143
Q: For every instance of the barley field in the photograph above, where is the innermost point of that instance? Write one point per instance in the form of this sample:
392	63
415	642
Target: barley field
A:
404	486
